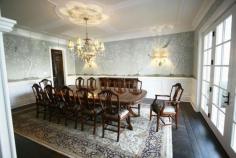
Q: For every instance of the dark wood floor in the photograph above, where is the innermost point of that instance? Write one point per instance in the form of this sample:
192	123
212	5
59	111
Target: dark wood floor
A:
193	139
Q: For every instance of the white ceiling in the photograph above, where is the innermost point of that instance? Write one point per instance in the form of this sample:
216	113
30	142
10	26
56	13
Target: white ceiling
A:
127	18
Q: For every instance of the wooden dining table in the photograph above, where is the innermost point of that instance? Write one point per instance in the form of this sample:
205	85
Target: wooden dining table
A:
126	98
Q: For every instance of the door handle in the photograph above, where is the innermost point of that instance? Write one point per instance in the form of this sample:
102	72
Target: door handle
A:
227	97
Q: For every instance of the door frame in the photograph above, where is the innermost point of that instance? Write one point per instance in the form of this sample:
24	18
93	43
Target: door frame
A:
63	50
225	140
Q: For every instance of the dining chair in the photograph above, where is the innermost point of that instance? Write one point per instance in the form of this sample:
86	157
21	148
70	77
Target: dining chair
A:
135	88
44	82
112	111
91	83
71	107
41	106
89	110
79	82
167	105
54	102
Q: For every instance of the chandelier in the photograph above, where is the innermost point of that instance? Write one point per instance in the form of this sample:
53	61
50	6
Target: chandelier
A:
87	49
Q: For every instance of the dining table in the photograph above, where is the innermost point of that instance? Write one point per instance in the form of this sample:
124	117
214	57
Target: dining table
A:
127	98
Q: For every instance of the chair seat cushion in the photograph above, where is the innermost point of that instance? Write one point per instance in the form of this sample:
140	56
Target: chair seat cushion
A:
157	106
169	109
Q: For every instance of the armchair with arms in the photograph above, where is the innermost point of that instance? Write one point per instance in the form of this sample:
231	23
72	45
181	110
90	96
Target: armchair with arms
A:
168	107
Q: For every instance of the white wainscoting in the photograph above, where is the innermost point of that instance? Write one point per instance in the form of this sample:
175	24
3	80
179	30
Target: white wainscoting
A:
70	80
21	92
194	95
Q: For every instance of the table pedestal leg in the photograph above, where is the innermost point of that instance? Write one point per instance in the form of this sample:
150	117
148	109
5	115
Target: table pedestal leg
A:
132	112
130	127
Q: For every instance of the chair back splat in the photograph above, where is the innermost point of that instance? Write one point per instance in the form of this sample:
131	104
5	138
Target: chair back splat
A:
91	83
109	101
41	106
176	92
68	96
79	82
37	90
86	98
44	82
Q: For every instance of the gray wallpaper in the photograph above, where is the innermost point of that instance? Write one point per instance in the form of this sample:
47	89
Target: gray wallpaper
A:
130	57
28	58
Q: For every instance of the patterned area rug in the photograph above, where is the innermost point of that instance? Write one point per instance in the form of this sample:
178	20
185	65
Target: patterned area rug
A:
142	141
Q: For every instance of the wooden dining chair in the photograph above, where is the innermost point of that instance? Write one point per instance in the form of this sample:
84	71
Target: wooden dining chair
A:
79	82
112	111
41	105
135	88
44	82
167	105
89	109
71	107
91	83
54	102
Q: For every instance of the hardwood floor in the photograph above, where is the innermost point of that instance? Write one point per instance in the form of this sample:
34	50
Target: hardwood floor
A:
193	139
28	149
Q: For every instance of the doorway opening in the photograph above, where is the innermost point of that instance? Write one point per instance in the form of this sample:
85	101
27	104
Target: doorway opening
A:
57	68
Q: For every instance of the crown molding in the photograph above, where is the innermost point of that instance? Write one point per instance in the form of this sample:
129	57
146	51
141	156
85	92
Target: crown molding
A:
202	12
39	36
6	25
223	8
140	34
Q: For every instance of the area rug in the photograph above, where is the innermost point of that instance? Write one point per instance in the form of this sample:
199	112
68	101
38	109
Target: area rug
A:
142	141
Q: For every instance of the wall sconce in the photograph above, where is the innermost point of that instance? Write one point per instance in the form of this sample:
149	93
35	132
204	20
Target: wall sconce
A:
159	55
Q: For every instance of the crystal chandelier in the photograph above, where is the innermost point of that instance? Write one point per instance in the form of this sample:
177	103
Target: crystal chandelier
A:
87	49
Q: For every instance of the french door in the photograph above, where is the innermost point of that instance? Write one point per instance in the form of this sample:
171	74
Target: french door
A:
218	80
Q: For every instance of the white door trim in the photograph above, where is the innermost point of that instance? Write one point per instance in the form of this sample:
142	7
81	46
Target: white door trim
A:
225	139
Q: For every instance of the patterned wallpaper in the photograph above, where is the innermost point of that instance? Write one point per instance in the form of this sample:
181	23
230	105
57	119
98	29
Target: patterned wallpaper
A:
130	57
28	58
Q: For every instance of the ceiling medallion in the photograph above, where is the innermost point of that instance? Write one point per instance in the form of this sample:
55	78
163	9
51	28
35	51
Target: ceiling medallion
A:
76	11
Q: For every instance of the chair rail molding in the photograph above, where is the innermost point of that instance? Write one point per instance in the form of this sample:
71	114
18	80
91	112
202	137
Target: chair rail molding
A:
7	141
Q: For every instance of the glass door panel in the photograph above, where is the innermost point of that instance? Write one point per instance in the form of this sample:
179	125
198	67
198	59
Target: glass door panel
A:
206	72
233	137
221	73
